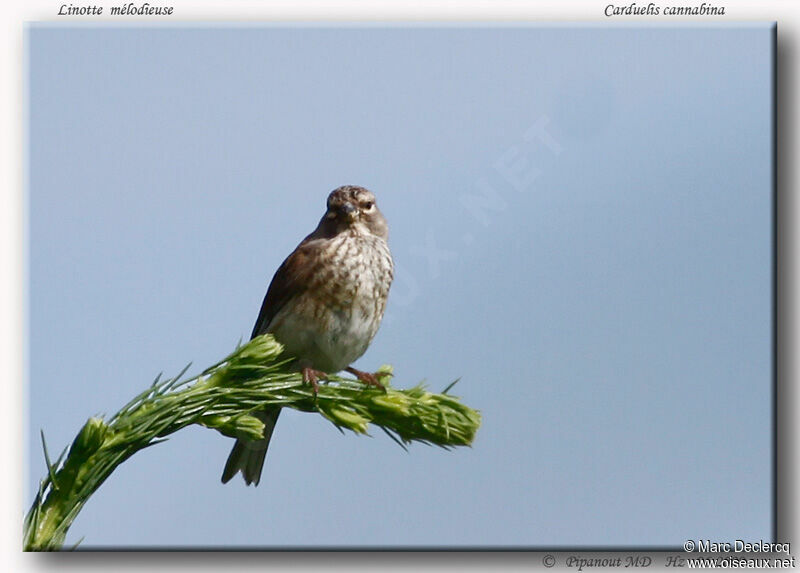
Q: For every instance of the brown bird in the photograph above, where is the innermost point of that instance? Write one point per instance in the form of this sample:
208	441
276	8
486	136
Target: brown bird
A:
324	304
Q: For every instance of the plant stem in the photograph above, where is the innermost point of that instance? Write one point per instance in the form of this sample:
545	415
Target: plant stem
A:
253	377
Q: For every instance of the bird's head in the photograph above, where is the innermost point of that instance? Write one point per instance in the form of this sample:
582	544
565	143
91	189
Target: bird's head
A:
354	208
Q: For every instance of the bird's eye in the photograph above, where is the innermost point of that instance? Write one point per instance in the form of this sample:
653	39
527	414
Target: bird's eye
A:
368	205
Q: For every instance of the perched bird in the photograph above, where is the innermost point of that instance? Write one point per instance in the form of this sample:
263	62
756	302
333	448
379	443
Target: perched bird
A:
324	305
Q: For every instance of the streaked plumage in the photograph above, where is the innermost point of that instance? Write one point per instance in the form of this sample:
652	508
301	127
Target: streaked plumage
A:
325	303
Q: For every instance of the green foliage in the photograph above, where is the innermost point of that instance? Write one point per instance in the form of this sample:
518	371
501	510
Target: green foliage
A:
222	397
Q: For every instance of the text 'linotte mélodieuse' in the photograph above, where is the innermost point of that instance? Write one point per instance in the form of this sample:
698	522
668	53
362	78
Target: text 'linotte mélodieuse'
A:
129	9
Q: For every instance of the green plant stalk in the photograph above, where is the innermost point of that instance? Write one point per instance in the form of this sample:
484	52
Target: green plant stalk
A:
222	398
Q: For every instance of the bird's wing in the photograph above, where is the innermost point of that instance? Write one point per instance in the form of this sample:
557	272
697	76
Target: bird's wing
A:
290	280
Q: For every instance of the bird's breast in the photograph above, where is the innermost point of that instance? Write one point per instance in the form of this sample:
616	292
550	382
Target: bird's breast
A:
355	278
336	318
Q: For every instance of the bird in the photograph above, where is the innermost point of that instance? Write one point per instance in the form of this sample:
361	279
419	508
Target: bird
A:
324	304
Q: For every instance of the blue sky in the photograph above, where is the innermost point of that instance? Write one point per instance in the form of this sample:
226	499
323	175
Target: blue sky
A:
580	220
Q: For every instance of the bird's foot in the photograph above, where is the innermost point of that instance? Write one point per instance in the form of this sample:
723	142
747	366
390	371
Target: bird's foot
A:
366	377
311	376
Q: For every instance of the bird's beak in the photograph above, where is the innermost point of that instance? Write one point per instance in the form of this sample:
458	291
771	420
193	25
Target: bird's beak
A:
348	211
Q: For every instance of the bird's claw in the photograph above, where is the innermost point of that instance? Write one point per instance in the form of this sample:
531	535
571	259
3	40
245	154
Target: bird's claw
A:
311	376
366	377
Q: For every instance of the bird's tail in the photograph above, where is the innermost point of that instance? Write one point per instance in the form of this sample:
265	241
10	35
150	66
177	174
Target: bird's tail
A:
248	456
